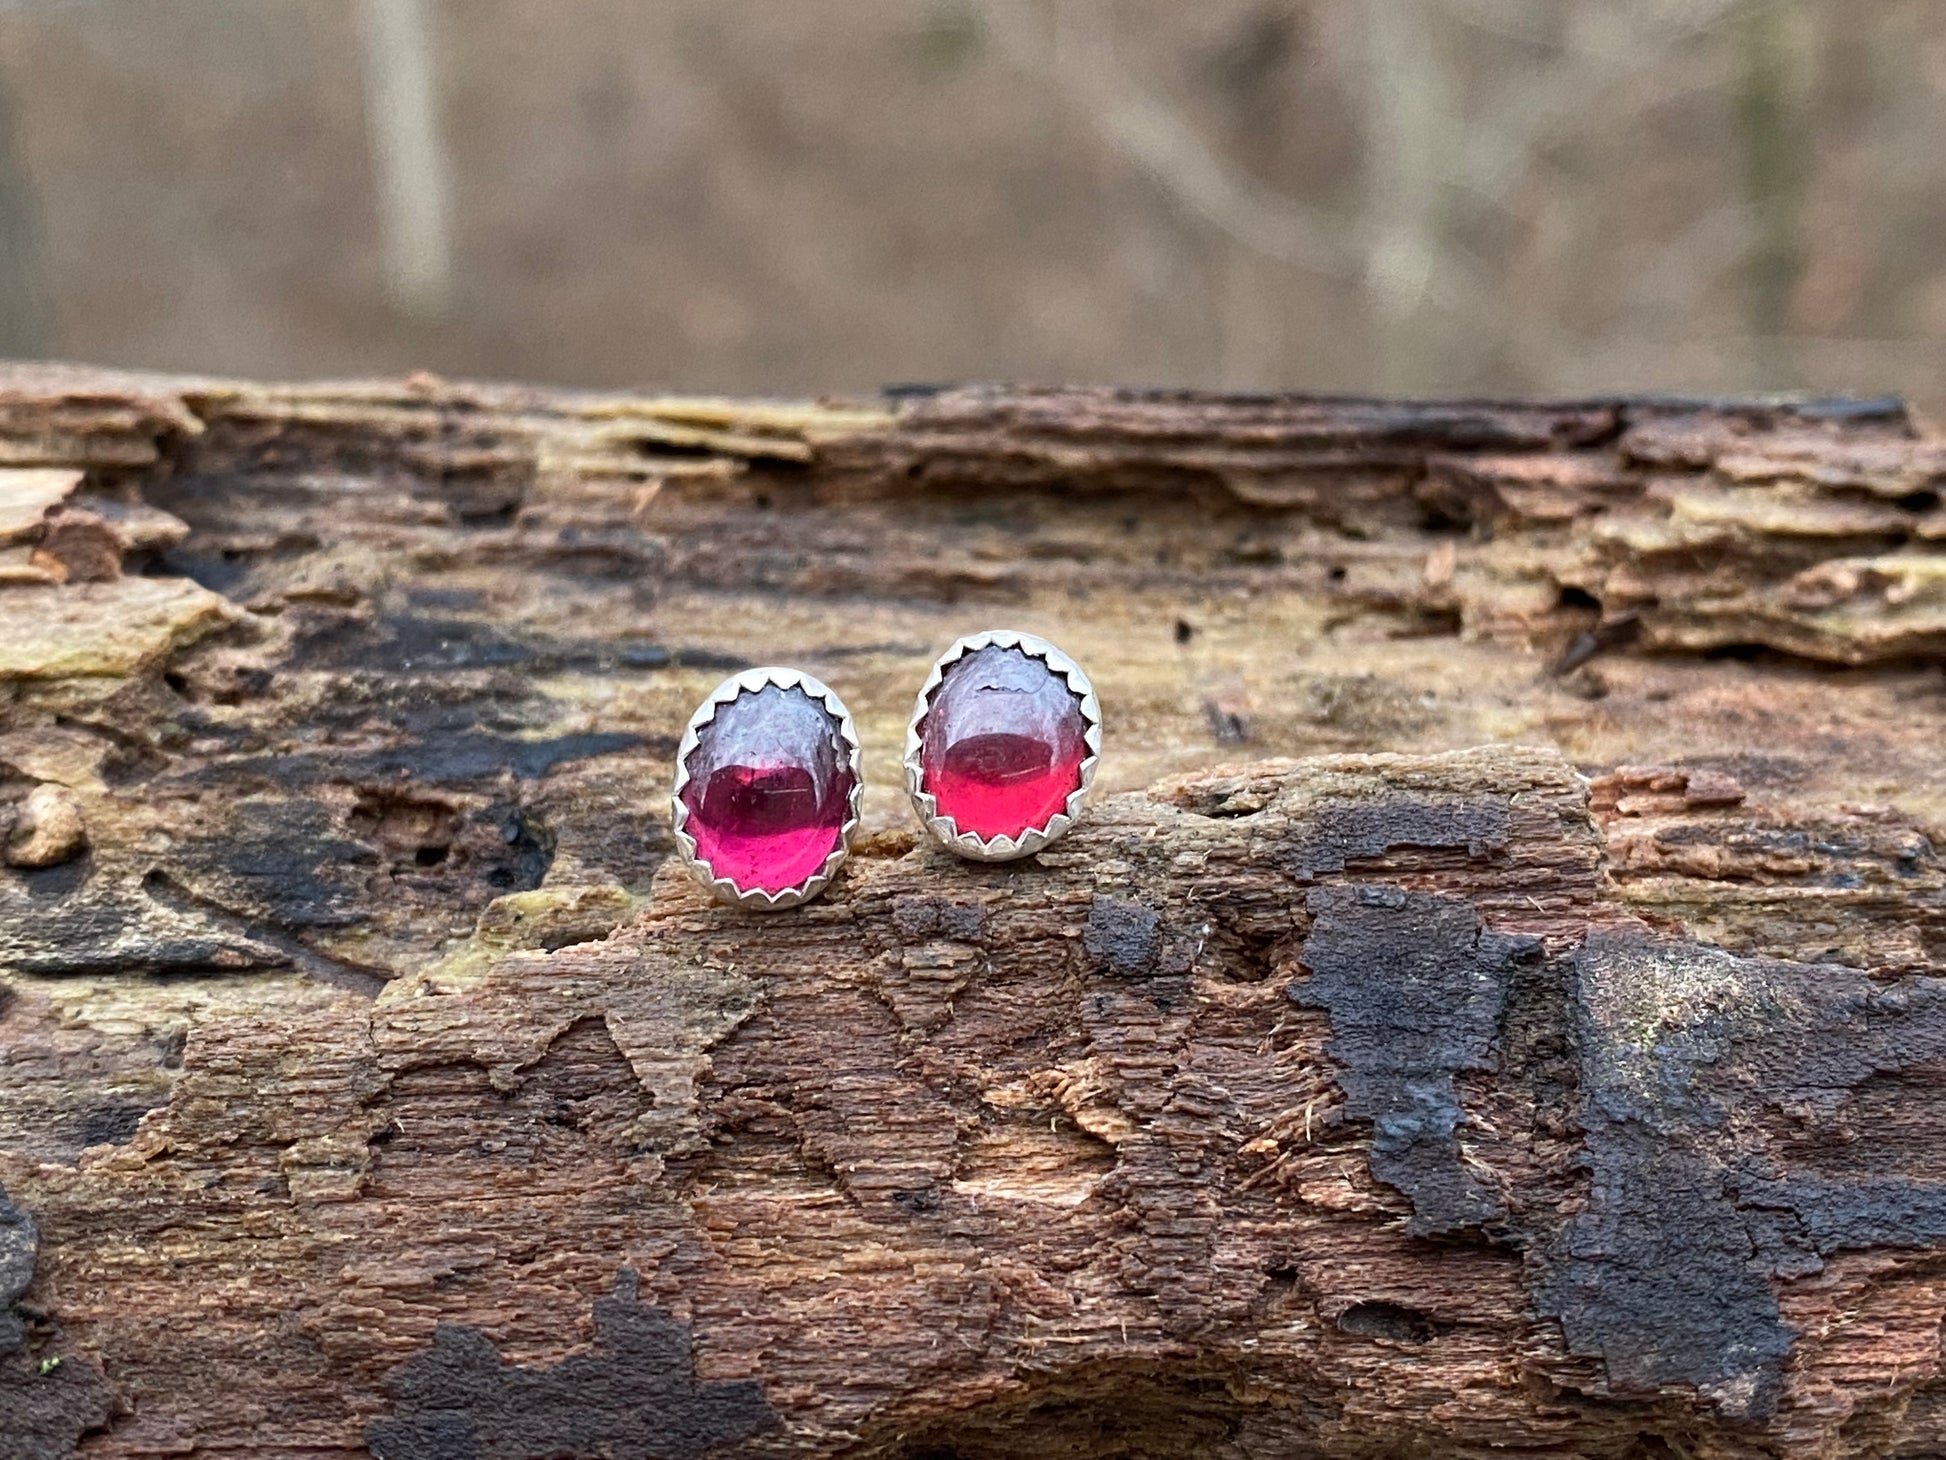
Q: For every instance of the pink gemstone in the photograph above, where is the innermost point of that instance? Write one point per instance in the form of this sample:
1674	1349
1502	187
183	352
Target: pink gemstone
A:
1002	743
769	789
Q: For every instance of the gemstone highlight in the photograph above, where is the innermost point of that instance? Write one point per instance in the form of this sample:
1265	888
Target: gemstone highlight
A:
1002	743
769	789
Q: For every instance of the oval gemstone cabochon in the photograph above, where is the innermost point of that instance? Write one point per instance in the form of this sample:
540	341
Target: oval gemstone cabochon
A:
1002	743
769	789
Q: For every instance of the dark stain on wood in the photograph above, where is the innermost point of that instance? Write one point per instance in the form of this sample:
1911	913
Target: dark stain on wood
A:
1414	987
1123	936
1335	837
1722	1146
19	1243
634	1394
48	1401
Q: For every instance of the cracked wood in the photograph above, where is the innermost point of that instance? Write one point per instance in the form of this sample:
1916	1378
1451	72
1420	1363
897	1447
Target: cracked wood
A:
372	1086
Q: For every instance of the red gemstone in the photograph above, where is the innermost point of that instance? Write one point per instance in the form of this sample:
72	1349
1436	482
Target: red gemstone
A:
1002	743
769	789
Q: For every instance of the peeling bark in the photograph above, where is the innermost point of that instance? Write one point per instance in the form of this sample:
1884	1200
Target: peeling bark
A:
1494	1007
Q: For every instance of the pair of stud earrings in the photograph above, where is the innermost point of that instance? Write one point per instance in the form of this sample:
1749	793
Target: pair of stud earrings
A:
999	755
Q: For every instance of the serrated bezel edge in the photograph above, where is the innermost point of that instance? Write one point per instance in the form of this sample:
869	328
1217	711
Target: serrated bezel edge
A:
751	681
944	829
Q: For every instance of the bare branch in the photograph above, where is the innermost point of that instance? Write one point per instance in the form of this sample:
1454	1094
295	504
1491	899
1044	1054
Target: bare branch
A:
1613	44
1150	134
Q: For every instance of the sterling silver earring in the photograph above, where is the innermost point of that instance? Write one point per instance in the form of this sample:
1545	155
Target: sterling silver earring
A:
767	785
1002	747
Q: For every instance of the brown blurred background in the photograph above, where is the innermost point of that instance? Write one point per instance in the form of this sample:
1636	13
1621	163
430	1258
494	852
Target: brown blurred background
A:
798	196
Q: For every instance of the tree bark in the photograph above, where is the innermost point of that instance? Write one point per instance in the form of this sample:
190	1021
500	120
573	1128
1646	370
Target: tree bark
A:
1492	1007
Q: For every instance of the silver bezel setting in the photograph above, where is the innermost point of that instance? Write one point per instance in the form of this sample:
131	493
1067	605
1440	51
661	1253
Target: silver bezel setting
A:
944	829
751	681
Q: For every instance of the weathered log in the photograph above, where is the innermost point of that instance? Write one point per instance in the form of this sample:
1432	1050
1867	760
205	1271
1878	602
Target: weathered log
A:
1338	1087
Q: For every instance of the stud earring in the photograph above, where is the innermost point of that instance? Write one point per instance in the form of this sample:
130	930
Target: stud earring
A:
1002	745
767	785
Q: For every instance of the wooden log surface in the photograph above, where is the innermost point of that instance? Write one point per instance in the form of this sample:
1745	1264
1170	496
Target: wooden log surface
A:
1492	1007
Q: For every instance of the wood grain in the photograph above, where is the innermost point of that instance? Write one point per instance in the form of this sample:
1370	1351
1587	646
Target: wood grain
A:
1493	1007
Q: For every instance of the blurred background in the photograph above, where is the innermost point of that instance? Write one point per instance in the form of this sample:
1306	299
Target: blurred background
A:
824	196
